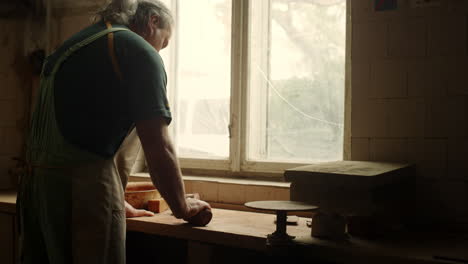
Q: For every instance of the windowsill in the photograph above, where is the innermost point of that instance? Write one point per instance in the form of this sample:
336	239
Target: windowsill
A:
237	181
229	191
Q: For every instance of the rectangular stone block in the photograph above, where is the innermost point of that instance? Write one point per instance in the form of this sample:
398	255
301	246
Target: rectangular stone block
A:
259	193
9	40
231	193
447	35
389	150
407	38
427	77
388	79
361	9
405	117
208	190
5	179
367	118
458	158
360	149
11	141
457	79
369	40
9	85
446	116
360	80
8	112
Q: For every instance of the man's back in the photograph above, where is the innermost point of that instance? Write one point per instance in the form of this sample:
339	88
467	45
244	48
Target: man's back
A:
94	107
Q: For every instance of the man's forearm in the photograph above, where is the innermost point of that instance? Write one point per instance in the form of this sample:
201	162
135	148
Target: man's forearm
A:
167	177
162	163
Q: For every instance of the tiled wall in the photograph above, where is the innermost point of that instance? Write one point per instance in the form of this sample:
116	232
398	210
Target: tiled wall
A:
410	98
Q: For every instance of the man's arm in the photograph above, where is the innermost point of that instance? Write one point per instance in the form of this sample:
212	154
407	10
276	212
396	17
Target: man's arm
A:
164	168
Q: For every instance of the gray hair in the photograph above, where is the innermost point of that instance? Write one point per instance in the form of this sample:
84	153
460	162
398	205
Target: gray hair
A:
137	13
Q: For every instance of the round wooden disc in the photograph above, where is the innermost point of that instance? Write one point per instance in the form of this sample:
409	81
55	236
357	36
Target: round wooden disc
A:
281	206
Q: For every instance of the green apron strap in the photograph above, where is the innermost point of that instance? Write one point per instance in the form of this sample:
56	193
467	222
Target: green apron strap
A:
81	44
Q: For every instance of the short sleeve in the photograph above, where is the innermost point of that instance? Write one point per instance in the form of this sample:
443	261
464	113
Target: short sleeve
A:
145	80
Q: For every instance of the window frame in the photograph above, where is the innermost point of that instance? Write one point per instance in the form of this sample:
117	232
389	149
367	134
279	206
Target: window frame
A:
237	164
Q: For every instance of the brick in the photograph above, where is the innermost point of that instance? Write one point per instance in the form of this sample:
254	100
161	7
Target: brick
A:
11	141
427	78
430	157
405	117
262	193
9	85
458	159
388	79
231	193
447	116
360	149
8	112
407	38
208	190
457	79
9	42
389	150
282	194
360	80
360	9
369	40
259	193
188	185
447	36
6	180
367	119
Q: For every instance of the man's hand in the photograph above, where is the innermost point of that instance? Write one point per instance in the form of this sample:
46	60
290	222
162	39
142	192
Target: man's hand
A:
130	211
199	212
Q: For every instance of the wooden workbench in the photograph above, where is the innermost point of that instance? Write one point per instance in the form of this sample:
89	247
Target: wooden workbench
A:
248	230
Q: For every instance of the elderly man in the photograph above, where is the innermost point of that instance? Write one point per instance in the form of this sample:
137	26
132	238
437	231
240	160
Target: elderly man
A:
99	85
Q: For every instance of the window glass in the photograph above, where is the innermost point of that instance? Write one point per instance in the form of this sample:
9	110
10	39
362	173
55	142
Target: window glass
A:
297	71
203	78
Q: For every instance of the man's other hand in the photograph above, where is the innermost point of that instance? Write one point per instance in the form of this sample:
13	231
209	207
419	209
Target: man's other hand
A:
130	211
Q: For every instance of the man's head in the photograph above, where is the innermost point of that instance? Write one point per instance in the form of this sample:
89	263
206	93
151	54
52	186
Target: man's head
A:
150	19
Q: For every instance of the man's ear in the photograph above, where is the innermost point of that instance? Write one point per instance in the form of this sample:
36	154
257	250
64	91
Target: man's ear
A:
153	23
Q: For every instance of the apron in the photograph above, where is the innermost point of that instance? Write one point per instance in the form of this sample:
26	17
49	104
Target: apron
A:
70	201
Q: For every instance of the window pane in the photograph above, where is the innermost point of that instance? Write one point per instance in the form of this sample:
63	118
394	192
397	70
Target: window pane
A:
203	78
297	70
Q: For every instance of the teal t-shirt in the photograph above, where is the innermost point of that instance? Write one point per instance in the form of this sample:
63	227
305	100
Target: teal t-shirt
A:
94	108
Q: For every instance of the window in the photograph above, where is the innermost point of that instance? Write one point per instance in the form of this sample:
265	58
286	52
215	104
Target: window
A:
257	85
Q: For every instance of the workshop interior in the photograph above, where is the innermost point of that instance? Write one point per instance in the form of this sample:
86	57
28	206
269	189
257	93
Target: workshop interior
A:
318	131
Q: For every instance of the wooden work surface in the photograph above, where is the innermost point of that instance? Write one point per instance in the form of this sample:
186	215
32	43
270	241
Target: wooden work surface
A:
230	228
